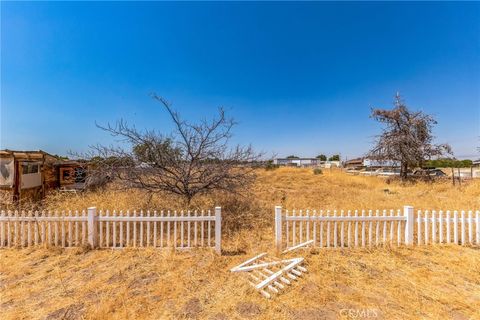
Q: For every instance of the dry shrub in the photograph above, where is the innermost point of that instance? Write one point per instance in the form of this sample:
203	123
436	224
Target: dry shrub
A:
242	213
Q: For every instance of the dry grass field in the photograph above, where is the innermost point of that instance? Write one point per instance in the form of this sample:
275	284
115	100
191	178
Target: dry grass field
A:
434	282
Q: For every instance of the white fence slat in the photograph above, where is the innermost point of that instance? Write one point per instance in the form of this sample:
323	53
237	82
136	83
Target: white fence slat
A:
294	229
9	231
84	228
100	230
77	243
470	227
15	230
300	232
315	222
377	229
121	243
287	229
426	227
202	229
50	238
35	229
161	230
218	230
63	230
477	219
22	230
321	229
440	229
463	227
114	230
448	222
141	229
70	230
384	227
328	230
419	227
189	244
55	224
2	229
308	226
399	229
349	230
155	243
342	235
363	229
175	231
434	227
44	231
209	229
334	230
127	240
148	229
181	230
455	227
356	229
370	229
107	229
392	227
134	224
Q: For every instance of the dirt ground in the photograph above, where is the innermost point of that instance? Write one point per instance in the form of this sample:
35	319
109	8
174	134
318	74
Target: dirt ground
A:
438	282
428	282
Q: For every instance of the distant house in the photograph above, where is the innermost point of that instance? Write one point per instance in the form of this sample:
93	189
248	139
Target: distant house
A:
353	163
476	163
369	163
305	162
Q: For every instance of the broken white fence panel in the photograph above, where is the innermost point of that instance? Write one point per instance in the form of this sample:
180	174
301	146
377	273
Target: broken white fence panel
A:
298	246
269	276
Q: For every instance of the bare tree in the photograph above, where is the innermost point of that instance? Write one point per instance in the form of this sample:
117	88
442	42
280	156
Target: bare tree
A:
406	138
196	158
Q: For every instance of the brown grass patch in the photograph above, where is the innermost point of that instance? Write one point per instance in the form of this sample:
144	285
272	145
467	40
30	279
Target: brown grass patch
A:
434	282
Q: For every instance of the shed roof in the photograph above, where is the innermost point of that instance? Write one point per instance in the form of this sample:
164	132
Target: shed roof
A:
25	154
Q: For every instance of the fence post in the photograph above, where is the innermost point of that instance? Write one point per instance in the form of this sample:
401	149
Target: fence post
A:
278	227
218	230
92	219
408	213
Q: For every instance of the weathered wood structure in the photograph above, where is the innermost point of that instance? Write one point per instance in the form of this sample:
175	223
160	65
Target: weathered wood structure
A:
26	175
71	174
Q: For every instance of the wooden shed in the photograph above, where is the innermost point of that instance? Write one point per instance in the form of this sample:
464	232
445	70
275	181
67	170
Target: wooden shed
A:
26	175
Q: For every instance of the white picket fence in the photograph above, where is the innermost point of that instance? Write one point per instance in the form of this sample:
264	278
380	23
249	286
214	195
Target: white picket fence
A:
354	228
112	229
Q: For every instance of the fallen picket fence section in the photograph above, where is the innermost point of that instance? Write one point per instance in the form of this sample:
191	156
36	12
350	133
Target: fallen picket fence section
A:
354	228
112	229
270	275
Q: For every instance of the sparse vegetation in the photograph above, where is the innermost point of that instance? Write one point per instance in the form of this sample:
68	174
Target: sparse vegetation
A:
194	159
405	283
406	138
317	171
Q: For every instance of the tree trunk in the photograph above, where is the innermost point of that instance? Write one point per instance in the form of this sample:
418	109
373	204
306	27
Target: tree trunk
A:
403	171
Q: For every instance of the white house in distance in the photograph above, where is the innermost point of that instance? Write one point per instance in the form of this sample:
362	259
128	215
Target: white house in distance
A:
305	162
370	163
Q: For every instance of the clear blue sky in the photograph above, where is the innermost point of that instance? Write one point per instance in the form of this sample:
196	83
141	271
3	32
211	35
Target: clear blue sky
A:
299	77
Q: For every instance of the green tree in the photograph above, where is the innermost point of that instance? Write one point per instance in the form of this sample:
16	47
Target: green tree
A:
322	157
335	157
